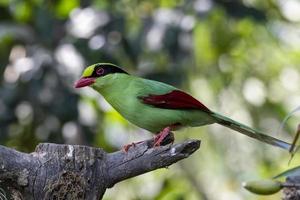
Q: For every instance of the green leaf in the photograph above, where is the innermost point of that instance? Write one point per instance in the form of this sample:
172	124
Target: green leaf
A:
22	11
64	7
4	2
291	172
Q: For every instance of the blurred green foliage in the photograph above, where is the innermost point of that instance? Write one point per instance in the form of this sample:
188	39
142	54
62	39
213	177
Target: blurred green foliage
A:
240	58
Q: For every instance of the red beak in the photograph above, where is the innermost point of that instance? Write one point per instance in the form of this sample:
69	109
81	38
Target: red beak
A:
83	81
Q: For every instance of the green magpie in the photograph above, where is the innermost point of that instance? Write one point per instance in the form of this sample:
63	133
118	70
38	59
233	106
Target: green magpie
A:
158	107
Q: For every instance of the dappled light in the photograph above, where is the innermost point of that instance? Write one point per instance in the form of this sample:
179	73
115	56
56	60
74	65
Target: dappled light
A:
239	58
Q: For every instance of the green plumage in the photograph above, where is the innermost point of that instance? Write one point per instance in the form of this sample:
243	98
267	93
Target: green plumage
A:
123	92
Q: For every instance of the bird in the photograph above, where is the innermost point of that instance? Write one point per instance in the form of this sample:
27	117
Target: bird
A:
158	107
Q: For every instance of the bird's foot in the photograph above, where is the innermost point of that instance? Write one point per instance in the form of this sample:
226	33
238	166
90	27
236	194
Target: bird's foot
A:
158	139
126	147
162	138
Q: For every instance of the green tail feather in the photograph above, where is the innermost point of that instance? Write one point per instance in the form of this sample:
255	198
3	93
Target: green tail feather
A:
246	130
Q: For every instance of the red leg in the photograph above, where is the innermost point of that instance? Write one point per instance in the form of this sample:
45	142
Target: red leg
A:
157	139
127	146
161	136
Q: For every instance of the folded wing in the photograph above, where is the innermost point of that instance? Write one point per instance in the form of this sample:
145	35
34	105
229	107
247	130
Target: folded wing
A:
175	99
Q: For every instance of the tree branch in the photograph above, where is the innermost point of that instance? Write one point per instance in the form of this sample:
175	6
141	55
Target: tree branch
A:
290	193
56	171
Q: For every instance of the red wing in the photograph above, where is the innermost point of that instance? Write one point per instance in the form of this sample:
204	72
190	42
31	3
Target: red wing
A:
174	100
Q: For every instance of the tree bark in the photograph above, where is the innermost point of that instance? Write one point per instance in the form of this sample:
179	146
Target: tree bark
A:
292	193
57	171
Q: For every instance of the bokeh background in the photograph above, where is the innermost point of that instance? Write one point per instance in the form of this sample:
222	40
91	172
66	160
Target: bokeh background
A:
240	58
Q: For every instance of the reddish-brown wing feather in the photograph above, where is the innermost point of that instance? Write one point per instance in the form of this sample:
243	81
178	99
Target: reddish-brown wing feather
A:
174	100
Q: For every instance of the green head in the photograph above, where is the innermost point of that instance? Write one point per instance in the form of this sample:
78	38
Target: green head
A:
97	71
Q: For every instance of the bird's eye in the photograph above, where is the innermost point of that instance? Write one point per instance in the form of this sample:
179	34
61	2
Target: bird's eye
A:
99	71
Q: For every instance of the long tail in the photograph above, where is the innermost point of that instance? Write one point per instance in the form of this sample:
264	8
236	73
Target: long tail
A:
241	128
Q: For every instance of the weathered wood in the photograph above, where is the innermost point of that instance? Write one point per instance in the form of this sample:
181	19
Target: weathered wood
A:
56	171
292	193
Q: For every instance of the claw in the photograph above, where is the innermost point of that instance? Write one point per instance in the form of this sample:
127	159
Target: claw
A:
164	137
161	136
126	147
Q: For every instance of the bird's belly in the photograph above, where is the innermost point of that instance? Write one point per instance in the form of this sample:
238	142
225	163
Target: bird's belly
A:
155	119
